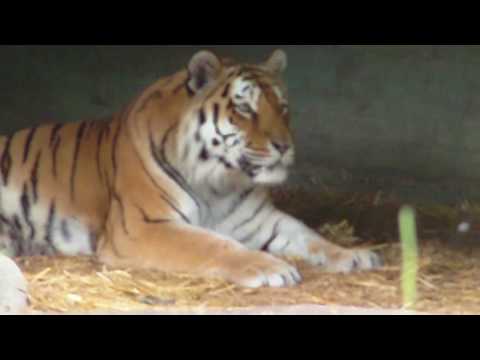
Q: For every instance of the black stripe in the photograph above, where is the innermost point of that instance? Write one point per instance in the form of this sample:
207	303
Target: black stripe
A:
93	239
17	243
215	192
289	242
4	220
255	214
225	163
246	87
122	211
54	133
55	140
17	224
202	117
226	91
17	234
181	86
114	148
241	199
256	230
67	236
184	85
99	147
106	128
28	143
34	177
91	125
204	154
163	163
79	136
25	204
177	210
198	138
150	220
251	234
272	238
251	77
6	160
55	148
216	110
164	195
49	225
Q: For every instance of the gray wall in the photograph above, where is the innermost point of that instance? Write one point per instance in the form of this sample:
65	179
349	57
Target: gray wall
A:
378	115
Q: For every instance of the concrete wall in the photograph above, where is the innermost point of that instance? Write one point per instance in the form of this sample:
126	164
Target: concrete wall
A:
360	112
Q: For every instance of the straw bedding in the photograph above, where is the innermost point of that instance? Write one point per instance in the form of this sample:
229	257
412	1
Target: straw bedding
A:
449	281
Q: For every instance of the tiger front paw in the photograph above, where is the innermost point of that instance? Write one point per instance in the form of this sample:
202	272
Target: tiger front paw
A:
339	260
349	261
256	269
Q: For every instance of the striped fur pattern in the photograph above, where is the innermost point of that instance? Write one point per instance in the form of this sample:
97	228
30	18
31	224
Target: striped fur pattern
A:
178	181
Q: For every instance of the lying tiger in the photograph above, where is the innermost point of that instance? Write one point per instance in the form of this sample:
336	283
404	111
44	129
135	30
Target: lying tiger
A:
176	182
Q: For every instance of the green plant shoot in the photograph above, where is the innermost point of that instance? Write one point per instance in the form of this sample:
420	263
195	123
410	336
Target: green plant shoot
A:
408	236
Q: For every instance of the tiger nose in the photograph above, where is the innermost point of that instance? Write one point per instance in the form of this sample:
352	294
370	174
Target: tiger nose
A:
281	148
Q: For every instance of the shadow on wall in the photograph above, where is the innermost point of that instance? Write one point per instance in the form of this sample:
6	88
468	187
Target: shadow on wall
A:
408	111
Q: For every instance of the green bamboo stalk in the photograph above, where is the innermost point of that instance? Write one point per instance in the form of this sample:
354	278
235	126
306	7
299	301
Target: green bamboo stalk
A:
408	236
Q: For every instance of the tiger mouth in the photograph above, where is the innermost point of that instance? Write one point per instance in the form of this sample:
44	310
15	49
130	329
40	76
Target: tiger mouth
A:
252	169
249	168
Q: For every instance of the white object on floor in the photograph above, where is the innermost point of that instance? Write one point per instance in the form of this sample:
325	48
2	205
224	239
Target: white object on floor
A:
464	227
13	287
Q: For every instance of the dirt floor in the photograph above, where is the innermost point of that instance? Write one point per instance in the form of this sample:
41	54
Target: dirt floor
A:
449	281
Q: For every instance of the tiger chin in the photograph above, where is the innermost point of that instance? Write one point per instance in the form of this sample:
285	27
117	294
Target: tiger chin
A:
178	182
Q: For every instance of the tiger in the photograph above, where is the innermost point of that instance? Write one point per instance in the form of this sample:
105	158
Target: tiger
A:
178	181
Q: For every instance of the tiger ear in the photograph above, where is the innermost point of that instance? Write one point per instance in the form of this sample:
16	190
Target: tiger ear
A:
277	63
204	68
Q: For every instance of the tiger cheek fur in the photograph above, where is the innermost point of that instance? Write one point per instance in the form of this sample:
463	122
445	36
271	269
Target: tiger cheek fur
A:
176	182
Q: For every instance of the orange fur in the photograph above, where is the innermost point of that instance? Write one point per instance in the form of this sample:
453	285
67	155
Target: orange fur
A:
113	179
120	181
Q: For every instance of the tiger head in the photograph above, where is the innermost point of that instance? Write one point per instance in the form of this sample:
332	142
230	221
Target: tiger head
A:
232	121
241	116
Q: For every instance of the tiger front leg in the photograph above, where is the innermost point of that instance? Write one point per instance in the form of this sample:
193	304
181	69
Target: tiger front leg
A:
285	236
181	248
297	240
